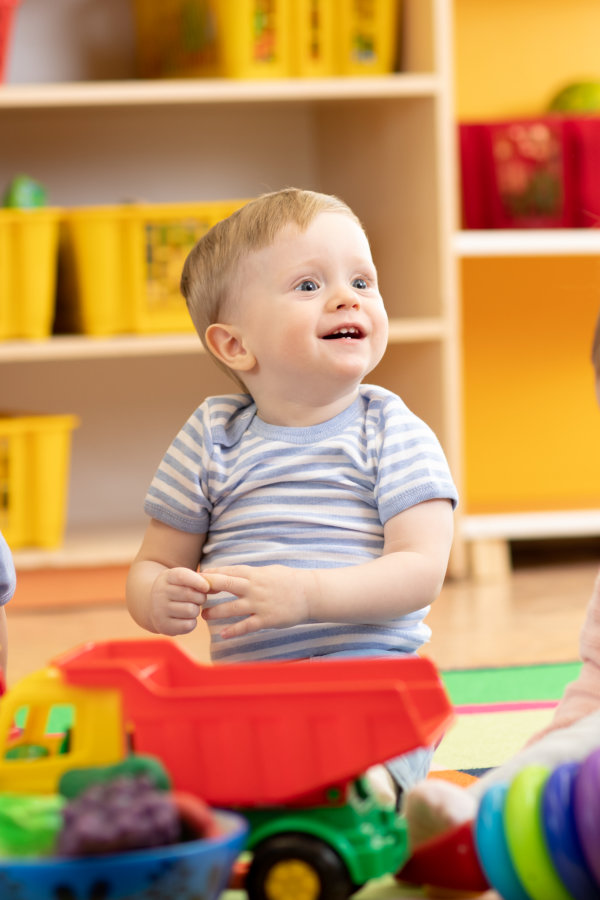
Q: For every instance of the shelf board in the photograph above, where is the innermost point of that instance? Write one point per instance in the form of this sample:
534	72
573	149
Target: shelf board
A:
531	525
215	90
82	347
405	331
76	346
108	546
528	242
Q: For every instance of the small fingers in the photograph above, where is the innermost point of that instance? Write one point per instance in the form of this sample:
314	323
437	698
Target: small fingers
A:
189	597
182	610
241	571
231	609
246	626
187	578
173	625
225	582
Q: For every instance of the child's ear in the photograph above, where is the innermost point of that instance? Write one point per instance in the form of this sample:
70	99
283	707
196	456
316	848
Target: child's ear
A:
227	344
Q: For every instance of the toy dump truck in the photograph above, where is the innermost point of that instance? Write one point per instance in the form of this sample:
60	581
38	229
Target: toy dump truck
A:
284	743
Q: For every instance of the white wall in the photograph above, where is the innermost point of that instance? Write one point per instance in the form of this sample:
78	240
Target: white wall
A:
71	40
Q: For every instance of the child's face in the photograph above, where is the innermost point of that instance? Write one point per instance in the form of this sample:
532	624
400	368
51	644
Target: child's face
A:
309	307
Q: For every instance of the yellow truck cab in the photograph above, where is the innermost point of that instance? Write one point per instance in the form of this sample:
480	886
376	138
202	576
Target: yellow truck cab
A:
34	753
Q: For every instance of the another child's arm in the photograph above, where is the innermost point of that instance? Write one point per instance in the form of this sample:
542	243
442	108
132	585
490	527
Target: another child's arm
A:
406	577
165	593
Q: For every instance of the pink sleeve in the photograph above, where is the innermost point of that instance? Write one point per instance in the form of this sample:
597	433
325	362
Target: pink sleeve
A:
582	696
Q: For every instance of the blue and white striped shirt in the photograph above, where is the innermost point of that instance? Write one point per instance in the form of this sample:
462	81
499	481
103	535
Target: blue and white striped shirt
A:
315	497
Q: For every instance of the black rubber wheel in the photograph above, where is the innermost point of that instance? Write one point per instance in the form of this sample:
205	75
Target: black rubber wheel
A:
297	867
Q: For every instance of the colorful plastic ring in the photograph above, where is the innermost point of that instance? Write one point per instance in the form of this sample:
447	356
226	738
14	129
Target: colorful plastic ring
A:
490	842
558	820
525	837
585	806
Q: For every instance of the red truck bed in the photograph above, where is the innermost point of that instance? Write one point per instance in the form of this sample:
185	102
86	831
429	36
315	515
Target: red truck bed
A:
266	733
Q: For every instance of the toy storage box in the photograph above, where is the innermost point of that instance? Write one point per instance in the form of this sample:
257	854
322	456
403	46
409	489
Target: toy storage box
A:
531	173
213	38
34	471
343	37
265	38
28	258
120	266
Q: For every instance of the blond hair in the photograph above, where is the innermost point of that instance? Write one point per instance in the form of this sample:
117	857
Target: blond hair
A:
210	268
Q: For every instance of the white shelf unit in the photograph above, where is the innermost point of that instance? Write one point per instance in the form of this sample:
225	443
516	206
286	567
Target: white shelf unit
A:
385	144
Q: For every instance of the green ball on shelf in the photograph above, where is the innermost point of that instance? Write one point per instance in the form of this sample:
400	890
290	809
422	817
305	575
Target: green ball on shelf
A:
579	97
24	192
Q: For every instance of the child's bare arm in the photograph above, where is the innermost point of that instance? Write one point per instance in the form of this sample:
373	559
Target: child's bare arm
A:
165	593
408	576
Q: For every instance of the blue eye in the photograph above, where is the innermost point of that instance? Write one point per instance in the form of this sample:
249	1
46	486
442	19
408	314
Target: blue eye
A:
307	285
360	283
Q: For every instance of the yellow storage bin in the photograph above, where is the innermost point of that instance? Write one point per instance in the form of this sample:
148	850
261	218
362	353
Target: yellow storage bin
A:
344	37
266	38
214	38
315	33
121	266
367	42
35	456
28	257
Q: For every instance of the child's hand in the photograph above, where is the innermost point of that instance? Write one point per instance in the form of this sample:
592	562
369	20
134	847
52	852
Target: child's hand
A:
176	600
266	597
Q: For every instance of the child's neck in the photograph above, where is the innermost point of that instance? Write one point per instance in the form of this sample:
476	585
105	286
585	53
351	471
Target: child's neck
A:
294	413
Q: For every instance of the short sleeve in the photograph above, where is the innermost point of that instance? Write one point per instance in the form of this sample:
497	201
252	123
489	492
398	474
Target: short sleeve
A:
182	491
412	465
177	495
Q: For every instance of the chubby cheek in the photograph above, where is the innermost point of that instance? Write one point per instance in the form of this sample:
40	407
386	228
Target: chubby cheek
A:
377	355
380	340
282	345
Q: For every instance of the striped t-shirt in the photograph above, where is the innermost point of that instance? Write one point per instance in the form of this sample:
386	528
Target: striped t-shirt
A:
315	497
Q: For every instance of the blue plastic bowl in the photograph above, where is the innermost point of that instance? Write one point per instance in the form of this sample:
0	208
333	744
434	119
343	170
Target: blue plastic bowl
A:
186	871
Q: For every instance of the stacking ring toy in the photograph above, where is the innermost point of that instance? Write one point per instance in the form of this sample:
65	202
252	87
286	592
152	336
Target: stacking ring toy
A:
535	838
558	819
492	848
525	837
586	807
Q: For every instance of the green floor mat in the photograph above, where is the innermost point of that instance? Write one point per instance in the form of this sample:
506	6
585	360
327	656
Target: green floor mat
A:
509	684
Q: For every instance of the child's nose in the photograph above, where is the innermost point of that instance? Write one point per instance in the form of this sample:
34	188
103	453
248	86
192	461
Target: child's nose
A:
345	298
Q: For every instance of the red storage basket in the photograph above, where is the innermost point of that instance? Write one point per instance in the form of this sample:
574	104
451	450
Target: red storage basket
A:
517	174
7	10
586	162
531	173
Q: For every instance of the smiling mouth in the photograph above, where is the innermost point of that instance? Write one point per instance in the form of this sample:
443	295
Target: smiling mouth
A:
350	333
